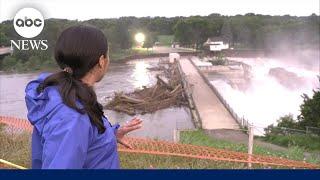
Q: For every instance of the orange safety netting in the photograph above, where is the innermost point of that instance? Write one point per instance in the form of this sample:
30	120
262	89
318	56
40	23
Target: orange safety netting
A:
164	148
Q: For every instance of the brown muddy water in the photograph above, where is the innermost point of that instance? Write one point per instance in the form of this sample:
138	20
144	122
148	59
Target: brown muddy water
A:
124	76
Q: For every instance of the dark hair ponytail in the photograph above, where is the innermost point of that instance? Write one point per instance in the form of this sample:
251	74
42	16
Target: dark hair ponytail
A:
77	51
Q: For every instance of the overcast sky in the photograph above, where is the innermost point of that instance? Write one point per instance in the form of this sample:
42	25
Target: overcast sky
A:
88	9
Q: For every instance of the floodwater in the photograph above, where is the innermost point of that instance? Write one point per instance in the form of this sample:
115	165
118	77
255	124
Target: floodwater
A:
268	97
120	77
262	103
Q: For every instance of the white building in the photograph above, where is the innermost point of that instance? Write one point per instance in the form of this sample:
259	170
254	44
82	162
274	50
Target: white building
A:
175	45
216	44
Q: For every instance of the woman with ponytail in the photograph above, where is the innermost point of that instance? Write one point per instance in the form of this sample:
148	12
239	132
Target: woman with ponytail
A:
70	129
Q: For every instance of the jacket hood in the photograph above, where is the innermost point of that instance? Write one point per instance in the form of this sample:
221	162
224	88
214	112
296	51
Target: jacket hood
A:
40	105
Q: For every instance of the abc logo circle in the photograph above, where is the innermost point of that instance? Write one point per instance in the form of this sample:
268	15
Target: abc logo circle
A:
28	22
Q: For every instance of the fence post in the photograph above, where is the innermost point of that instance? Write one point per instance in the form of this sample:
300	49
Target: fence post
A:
242	124
176	135
250	145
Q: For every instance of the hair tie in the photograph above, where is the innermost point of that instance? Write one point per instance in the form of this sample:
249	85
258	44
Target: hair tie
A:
68	70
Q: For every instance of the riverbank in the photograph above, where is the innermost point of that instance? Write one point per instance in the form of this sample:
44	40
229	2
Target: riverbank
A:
10	65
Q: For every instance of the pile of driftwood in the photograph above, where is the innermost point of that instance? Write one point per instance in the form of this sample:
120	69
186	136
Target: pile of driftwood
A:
167	92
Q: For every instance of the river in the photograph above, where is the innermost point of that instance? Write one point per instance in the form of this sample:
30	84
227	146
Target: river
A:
264	101
124	76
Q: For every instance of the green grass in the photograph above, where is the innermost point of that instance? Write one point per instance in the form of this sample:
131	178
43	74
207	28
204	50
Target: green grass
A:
121	54
15	147
308	142
200	138
165	40
146	161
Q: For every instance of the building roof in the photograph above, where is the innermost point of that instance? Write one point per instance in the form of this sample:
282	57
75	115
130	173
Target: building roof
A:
215	39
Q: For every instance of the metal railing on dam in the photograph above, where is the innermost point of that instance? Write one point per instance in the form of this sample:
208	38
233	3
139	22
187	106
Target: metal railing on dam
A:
244	123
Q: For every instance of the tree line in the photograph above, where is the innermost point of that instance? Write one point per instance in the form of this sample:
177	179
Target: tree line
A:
253	31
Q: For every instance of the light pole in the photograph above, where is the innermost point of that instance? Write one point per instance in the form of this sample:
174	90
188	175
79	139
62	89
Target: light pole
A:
140	37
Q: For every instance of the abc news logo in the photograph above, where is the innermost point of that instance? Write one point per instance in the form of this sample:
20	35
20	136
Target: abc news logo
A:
28	23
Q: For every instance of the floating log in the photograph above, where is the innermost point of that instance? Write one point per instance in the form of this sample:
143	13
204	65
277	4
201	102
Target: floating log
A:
163	82
131	99
168	91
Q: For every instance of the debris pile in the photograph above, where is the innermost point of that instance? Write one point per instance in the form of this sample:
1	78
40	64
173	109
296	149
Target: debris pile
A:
167	92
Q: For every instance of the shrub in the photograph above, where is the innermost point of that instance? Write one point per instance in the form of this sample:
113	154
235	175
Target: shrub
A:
8	62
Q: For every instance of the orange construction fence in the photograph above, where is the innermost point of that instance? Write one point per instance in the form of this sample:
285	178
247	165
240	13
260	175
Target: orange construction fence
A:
164	148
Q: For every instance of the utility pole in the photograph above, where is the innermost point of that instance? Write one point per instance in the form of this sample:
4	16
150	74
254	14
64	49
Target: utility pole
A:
250	145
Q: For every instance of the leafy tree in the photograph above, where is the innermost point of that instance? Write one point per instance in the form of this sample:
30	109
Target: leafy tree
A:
4	40
287	121
183	32
8	62
226	32
123	37
150	39
309	116
192	31
310	110
244	31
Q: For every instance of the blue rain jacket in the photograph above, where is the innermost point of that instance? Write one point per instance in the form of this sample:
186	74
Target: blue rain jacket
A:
62	138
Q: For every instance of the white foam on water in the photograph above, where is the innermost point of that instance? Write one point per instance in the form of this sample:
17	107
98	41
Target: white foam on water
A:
266	100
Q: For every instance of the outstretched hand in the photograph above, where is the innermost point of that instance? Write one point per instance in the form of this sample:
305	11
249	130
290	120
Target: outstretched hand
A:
135	123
